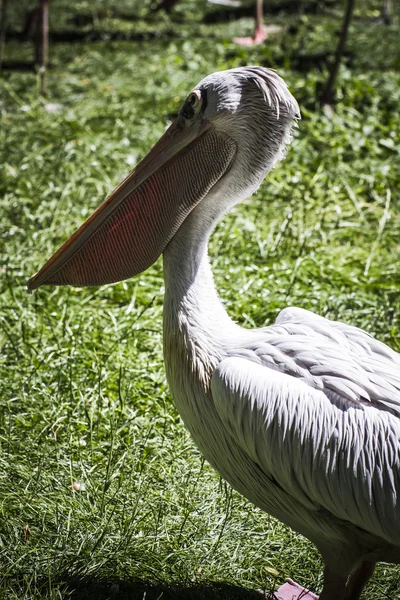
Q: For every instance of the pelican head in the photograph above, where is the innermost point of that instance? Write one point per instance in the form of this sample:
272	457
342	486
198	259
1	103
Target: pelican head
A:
231	130
255	108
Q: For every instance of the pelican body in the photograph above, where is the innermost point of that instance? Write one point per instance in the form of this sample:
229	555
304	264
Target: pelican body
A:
301	417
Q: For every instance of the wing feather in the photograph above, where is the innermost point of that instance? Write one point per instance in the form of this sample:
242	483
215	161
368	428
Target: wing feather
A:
344	362
343	460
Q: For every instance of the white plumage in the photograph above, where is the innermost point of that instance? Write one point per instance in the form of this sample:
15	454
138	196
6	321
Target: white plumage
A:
301	417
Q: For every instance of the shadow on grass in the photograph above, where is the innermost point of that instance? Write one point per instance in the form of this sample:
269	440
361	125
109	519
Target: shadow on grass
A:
98	589
96	35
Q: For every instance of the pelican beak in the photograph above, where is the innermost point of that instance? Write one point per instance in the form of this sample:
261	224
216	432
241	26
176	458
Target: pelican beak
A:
130	229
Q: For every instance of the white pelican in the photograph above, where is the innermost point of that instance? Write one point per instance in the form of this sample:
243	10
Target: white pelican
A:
301	417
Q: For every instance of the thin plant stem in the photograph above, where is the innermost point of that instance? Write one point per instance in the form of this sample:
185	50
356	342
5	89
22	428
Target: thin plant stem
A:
327	95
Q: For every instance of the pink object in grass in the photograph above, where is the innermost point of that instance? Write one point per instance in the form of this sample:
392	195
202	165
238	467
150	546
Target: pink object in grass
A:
260	35
292	591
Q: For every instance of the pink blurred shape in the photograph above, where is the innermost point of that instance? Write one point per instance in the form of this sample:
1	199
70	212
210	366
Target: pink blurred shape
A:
260	35
292	591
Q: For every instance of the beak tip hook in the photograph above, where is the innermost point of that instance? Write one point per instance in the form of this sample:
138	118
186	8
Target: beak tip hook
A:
31	286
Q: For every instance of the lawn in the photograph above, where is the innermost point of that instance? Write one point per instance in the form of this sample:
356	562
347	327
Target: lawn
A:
102	492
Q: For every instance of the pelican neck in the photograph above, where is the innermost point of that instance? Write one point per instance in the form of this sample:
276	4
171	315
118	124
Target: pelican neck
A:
189	283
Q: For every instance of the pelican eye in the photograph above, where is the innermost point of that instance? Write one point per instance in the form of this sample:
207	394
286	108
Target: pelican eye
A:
192	105
194	98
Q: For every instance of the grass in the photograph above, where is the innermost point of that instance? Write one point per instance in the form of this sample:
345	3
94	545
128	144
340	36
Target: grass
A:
102	492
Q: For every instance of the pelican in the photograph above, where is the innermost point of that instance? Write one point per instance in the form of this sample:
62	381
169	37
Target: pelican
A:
301	417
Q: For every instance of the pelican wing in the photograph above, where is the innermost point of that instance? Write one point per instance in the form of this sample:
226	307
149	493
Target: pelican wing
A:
325	457
346	363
